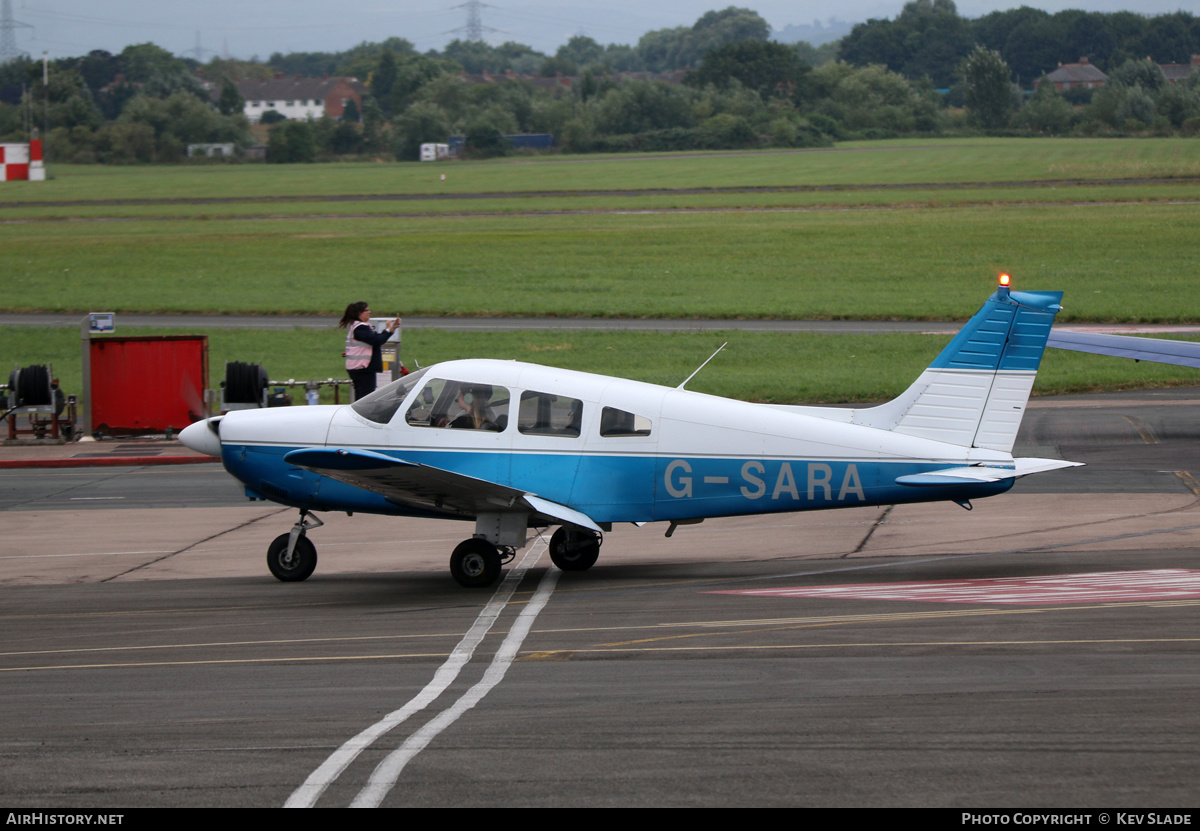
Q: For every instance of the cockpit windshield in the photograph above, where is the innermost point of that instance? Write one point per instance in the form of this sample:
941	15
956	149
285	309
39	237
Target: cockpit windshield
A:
382	404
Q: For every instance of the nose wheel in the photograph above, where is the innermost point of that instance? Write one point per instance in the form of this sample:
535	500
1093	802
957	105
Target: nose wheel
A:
291	557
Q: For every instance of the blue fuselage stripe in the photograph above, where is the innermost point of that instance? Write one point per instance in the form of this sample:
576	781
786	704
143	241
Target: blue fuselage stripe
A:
622	488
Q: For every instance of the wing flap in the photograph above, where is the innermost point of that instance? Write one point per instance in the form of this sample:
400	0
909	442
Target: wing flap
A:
560	514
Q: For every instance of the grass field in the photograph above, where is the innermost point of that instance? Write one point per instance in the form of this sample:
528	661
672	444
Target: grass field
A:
885	230
1116	263
849	164
754	366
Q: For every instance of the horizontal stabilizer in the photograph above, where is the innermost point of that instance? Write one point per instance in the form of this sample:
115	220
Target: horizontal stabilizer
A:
1177	352
983	473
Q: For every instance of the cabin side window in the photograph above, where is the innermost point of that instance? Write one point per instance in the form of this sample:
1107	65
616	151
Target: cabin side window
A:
545	414
382	404
460	405
614	422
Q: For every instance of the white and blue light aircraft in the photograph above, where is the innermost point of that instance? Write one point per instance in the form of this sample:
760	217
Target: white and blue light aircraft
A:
514	446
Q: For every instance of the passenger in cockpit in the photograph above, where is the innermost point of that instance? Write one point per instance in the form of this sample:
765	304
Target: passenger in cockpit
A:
477	413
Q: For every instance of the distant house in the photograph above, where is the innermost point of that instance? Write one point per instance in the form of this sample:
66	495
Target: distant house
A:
1076	75
300	98
1175	72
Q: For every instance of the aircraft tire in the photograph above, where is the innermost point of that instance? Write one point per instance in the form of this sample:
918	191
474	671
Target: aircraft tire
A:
574	549
475	564
303	564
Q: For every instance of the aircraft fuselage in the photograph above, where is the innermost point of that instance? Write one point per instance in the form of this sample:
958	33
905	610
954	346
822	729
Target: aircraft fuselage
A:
696	456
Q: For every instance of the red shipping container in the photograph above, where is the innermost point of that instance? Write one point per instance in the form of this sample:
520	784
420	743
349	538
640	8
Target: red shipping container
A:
147	384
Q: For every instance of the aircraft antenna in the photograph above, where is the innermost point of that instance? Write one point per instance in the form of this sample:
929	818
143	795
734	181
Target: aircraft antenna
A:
697	372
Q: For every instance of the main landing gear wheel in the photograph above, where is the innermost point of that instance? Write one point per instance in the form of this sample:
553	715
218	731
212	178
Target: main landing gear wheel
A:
475	563
574	549
299	566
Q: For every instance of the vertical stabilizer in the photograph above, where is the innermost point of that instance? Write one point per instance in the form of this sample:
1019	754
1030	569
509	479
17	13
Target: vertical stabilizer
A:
974	394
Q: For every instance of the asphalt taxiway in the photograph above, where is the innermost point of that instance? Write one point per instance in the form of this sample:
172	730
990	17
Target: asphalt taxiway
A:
1038	651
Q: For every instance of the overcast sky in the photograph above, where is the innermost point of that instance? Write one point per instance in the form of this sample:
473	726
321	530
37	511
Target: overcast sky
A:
244	28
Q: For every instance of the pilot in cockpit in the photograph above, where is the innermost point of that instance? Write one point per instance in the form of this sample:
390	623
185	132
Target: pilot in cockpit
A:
475	403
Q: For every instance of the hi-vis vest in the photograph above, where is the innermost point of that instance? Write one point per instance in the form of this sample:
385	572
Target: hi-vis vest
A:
358	354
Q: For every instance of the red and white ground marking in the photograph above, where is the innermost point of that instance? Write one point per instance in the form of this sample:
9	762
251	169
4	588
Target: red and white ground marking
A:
1101	587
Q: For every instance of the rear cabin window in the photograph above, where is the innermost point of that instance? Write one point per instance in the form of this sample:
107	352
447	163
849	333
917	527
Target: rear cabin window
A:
544	414
460	405
614	422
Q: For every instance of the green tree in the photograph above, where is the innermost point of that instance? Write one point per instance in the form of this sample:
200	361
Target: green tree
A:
422	122
485	141
1144	73
474	56
230	102
412	75
70	100
581	51
375	126
927	39
159	73
98	69
765	67
291	142
1179	102
557	65
729	25
988	88
1046	112
639	106
1137	106
185	117
383	79
871	99
664	50
521	59
346	139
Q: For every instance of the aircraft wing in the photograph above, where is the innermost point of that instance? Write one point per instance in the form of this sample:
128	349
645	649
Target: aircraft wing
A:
1178	352
982	473
427	488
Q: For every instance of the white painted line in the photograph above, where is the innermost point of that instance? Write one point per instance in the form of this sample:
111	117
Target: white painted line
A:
81	554
1096	587
94	498
388	771
307	794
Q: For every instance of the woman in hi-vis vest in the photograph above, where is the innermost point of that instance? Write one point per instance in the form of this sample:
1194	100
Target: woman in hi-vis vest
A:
364	360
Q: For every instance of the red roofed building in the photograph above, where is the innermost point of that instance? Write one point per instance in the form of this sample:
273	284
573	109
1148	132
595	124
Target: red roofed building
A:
1075	75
